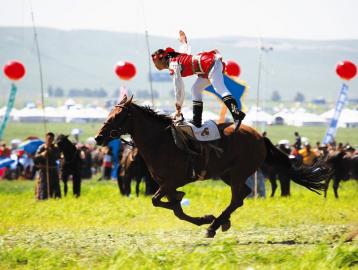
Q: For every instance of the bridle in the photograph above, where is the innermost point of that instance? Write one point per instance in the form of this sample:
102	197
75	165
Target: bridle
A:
117	133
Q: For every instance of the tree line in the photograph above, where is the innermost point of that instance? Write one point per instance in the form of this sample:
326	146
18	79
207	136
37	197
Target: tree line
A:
299	97
97	92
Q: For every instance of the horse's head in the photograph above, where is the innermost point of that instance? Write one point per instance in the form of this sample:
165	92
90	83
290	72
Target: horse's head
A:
63	142
61	139
117	123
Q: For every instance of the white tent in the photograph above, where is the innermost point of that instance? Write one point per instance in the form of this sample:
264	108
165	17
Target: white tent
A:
310	119
33	115
12	113
207	115
348	117
298	118
281	117
86	115
258	117
57	115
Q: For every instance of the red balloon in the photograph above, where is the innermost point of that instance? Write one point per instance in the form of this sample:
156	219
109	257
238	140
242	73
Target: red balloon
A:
125	70
14	70
346	70
232	68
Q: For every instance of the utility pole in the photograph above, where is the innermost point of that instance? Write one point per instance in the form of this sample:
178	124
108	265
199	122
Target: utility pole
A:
262	49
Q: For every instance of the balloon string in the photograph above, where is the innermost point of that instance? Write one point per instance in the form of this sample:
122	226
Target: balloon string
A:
42	93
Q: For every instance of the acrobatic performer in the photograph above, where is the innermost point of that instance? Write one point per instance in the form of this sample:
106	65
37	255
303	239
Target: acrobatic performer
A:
209	68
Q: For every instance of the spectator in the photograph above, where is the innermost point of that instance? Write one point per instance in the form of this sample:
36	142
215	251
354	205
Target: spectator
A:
318	149
298	142
86	156
340	147
107	164
46	159
261	192
308	156
5	151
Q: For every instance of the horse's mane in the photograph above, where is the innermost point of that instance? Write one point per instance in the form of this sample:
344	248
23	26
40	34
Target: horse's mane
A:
152	113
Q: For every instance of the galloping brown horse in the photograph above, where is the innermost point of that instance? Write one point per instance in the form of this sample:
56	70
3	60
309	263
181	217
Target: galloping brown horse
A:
244	152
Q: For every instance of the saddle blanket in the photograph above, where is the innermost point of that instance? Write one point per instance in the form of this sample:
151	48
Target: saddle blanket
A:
207	132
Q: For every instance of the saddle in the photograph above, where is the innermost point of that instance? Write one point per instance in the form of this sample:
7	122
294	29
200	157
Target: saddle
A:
198	143
207	132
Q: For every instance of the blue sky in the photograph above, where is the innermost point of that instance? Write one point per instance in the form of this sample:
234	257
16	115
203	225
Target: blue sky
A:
301	19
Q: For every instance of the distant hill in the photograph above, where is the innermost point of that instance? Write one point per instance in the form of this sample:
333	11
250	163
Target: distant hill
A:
85	58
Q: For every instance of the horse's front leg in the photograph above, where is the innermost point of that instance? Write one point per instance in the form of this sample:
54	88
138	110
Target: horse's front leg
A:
178	212
156	199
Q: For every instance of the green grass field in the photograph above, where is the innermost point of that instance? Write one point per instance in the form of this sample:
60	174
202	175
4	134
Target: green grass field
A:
102	230
275	133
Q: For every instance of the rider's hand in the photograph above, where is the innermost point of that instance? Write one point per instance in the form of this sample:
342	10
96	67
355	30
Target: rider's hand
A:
177	110
182	37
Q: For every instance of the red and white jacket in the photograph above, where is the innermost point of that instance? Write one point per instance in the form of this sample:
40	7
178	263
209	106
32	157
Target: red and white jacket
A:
185	65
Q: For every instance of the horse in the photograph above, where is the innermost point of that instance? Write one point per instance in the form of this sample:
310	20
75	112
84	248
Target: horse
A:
134	167
244	151
71	164
345	167
272	174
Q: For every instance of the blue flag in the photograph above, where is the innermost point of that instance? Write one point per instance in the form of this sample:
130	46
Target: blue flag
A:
235	86
10	104
332	129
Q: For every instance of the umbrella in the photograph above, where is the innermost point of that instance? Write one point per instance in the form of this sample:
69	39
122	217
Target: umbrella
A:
31	146
6	162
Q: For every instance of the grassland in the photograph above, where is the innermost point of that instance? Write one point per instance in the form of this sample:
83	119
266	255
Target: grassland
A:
275	133
102	230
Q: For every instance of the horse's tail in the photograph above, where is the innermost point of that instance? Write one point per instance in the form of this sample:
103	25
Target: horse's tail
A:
312	177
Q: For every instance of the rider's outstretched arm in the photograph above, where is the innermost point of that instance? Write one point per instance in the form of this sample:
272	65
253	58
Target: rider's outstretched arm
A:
184	47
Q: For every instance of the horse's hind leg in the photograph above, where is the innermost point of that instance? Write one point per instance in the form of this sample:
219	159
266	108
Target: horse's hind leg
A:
65	180
326	187
239	191
336	181
273	185
138	180
76	179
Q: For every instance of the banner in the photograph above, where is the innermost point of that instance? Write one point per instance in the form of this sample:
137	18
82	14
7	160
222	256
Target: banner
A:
332	129
9	106
235	86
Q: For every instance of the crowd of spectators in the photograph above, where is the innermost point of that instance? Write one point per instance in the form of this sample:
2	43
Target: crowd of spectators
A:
43	165
302	153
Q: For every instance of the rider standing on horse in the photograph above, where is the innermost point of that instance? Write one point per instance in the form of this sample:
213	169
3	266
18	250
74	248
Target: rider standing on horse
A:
209	68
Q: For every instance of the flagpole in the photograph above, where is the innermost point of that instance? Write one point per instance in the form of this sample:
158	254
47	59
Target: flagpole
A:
332	128
42	93
257	105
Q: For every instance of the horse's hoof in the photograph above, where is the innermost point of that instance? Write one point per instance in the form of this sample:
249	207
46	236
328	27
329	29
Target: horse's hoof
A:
210	233
225	226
